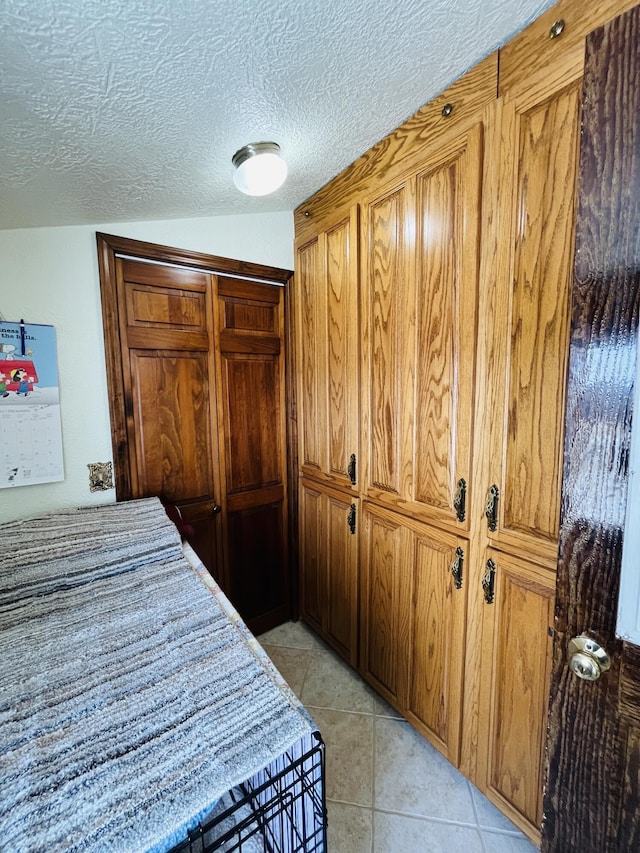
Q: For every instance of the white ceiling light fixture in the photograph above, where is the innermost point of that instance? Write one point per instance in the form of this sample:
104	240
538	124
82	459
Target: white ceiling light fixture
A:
260	169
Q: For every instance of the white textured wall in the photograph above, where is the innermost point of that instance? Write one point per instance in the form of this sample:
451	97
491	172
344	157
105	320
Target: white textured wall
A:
50	276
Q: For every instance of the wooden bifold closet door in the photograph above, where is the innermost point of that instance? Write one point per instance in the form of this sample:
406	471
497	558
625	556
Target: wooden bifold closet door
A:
197	394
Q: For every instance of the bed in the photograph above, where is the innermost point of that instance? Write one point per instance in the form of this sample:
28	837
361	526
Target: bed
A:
137	712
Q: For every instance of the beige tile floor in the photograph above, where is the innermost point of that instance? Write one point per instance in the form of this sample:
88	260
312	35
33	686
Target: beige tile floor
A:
387	789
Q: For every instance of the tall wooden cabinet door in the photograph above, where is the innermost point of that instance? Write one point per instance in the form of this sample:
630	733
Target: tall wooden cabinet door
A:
539	154
168	372
518	627
251	411
420	291
329	566
328	348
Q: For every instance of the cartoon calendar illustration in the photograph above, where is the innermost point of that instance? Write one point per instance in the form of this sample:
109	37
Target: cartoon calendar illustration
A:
30	429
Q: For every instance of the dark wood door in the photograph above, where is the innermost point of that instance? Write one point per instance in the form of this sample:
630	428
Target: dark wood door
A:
168	378
593	776
252	434
196	377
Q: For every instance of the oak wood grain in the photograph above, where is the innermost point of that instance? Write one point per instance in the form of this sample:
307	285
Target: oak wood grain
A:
545	137
532	51
387	158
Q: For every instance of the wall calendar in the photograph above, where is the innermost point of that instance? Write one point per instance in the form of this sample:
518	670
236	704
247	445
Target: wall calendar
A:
30	430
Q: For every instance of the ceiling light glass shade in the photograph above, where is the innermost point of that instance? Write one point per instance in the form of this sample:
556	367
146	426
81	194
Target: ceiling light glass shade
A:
260	169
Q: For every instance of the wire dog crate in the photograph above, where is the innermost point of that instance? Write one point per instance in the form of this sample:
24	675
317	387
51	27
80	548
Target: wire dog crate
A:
282	809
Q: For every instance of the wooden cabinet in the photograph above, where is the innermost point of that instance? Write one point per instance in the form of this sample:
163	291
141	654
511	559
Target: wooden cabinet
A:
413	606
466	245
328	555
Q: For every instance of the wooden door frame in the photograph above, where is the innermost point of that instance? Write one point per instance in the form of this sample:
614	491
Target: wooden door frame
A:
110	248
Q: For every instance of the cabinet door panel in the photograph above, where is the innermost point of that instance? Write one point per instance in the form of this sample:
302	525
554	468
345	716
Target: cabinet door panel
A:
389	346
311	377
384	603
328	327
342	575
520	623
437	641
420	296
329	566
540	147
448	251
342	335
311	551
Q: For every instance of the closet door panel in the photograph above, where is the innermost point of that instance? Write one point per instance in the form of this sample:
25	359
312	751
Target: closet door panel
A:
172	445
251	411
256	543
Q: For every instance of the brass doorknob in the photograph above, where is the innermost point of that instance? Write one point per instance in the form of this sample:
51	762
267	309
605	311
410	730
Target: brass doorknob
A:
587	659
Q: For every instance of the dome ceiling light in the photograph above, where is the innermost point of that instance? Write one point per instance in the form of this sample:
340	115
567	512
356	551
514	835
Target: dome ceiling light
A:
260	169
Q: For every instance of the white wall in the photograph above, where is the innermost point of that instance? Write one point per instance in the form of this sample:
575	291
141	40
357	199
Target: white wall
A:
50	276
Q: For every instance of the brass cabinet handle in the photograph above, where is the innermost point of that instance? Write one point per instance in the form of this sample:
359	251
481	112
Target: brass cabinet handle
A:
351	519
457	568
489	581
491	509
460	499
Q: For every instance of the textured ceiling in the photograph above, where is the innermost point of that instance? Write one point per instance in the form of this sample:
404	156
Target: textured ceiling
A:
117	110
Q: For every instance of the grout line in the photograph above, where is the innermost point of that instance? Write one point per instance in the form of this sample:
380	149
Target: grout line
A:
373	777
441	820
339	710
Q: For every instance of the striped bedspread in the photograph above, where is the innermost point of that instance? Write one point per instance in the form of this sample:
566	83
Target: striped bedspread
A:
129	701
